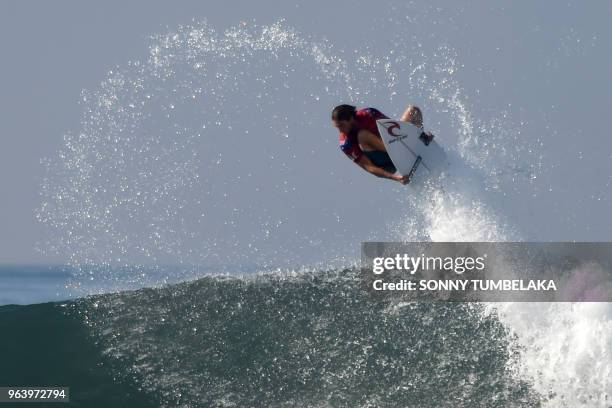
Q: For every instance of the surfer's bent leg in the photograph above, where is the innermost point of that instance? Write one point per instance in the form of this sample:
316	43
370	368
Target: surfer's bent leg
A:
413	115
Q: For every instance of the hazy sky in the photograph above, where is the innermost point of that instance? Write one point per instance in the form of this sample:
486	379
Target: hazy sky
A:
551	62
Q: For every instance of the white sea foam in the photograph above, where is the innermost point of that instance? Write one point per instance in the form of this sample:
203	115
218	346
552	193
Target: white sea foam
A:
566	347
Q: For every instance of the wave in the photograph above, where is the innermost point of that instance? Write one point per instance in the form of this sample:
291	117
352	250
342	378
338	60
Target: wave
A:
312	339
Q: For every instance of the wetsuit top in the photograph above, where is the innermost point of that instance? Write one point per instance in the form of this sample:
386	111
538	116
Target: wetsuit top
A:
366	119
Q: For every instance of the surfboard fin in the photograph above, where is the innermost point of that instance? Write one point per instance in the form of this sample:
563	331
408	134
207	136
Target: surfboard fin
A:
426	137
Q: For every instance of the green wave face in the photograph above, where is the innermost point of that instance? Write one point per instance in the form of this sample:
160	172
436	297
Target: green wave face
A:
277	340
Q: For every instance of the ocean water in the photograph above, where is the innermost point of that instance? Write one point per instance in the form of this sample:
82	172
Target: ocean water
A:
33	284
313	339
262	305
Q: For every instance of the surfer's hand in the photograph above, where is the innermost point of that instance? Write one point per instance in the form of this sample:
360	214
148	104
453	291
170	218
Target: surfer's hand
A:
402	179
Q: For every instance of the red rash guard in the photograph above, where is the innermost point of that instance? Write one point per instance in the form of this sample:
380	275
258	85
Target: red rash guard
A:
366	119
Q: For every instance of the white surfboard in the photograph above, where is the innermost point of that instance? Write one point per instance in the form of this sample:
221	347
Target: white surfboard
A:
410	155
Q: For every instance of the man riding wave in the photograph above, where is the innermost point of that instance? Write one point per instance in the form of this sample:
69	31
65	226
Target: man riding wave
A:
362	143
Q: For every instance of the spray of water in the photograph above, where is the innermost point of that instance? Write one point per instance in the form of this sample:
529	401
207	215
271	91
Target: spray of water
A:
205	153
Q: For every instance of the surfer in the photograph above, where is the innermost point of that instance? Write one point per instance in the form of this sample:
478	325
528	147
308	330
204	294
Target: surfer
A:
361	141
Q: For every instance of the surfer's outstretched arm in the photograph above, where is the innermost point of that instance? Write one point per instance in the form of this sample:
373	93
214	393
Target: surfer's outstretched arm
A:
370	167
